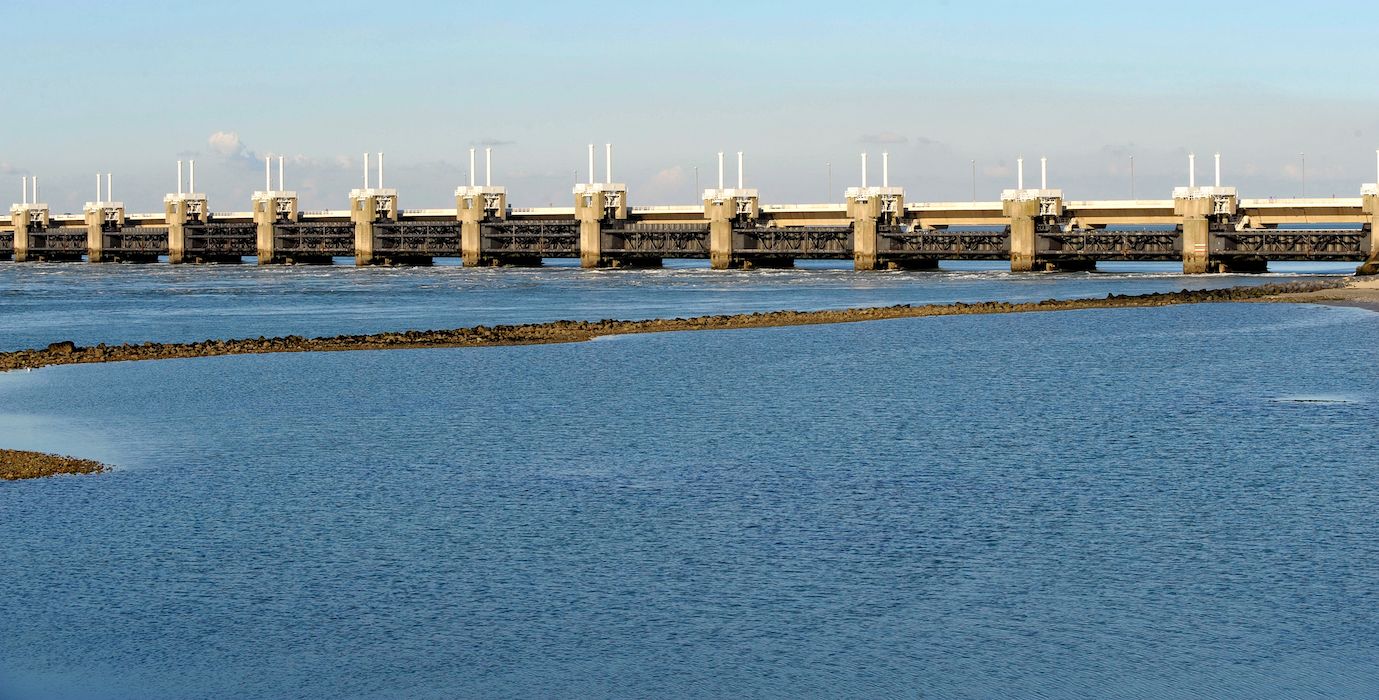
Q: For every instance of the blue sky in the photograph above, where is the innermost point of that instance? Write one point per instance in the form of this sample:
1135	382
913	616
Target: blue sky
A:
131	87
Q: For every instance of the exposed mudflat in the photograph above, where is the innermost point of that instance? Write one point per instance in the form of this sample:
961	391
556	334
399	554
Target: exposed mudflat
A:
1362	292
68	353
20	464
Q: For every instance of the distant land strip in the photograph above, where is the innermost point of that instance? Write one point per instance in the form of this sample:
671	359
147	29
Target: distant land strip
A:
68	353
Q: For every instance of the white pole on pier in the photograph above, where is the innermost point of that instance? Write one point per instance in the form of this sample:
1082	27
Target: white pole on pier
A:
1218	169
488	167
281	187
179	178
739	170
366	170
1192	170
191	177
36	199
864	170
885	169
608	161
267	173
98	188
380	169
1019	173
24	184
472	176
591	163
1043	173
720	170
109	196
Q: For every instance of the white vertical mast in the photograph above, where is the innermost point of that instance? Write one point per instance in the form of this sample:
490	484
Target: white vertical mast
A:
366	170
191	164
98	188
1043	173
1192	170
488	167
608	161
885	169
864	170
720	170
281	187
109	193
739	170
1019	173
179	178
268	173
1218	169
380	169
24	183
591	163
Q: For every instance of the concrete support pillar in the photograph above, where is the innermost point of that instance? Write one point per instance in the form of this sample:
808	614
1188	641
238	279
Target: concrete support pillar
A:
181	211
866	207
721	213
1369	195
99	216
1196	213
596	204
363	214
368	208
1200	209
25	219
473	206
725	208
1024	239
270	208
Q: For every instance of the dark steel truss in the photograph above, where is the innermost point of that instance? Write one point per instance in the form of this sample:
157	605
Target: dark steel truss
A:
794	241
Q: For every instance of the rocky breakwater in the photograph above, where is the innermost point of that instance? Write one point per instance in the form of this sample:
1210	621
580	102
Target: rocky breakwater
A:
19	464
69	353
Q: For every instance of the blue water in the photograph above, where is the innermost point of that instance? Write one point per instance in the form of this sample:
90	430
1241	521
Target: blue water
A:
1173	502
43	303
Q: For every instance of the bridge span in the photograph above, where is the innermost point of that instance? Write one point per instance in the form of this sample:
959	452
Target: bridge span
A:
1207	229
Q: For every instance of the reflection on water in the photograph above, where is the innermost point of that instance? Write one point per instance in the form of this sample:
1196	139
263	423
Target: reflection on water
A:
1041	505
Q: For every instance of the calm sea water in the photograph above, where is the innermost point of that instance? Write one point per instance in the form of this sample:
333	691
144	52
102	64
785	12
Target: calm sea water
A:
1172	502
42	303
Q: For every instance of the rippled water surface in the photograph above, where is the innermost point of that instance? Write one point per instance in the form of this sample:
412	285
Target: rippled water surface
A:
1173	502
42	303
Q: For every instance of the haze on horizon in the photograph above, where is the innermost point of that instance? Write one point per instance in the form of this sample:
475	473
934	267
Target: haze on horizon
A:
130	88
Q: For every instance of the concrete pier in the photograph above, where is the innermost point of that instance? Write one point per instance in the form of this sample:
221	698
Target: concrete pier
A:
271	208
369	207
596	204
871	209
101	217
1028	211
1369	194
474	206
1203	210
181	211
726	209
26	219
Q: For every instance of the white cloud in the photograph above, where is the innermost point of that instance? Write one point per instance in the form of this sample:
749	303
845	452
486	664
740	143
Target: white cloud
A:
226	143
670	177
885	137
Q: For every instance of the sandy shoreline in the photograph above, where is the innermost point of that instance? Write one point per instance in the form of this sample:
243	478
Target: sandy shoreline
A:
1359	292
68	353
